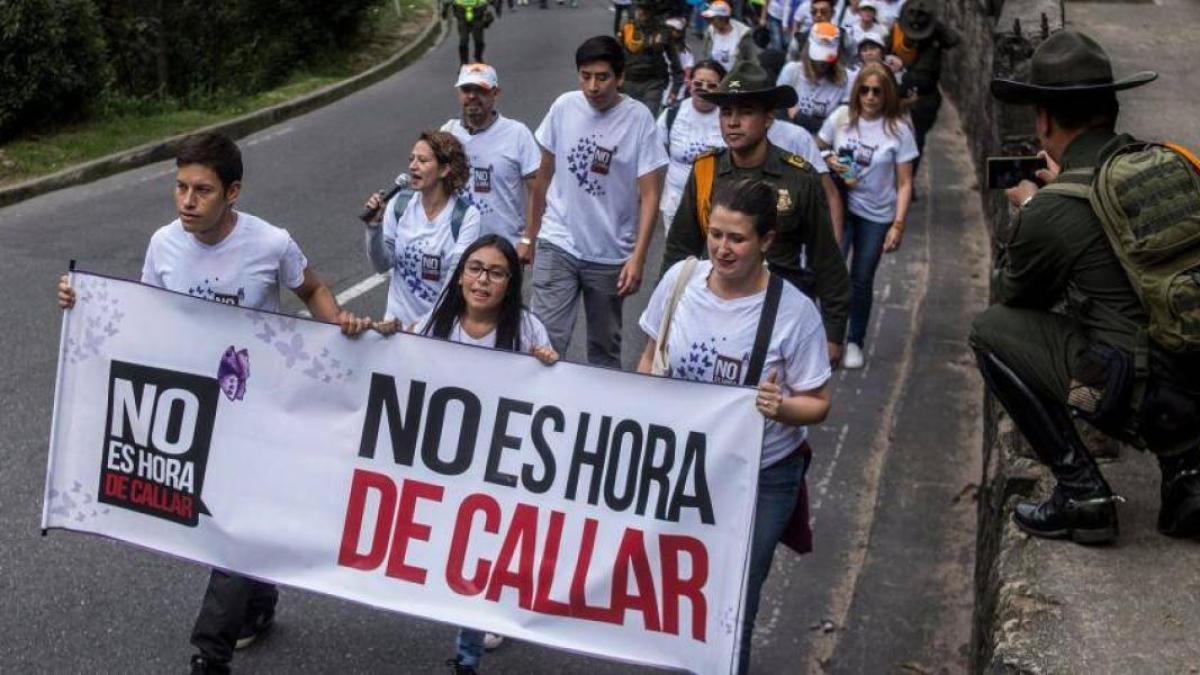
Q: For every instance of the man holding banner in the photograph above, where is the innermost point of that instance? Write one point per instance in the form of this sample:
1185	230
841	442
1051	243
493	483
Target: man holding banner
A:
217	253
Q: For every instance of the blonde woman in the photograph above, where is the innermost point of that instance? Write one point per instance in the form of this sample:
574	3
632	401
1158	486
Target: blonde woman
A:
870	144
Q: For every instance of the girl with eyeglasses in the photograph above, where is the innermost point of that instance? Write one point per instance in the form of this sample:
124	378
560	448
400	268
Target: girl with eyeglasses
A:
420	234
482	306
871	145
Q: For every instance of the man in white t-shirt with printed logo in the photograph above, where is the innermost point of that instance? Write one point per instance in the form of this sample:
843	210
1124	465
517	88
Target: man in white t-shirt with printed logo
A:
595	202
217	253
503	155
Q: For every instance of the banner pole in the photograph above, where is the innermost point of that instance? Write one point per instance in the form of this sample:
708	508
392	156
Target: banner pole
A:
62	342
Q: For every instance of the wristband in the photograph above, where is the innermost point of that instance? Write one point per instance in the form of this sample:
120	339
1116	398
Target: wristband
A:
526	241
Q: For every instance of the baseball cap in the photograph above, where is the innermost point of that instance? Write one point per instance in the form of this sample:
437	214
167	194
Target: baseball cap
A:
868	4
823	42
717	8
478	74
676	23
873	36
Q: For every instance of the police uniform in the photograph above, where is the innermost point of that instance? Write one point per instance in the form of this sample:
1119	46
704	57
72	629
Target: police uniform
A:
804	251
1031	355
651	61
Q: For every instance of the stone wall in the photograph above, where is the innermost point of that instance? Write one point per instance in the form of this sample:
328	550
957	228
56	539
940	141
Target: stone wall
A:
998	37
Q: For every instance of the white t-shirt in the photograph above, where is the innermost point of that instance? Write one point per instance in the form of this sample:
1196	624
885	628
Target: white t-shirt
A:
796	140
425	255
819	99
245	268
592	204
692	134
711	340
533	333
501	156
779	9
888	12
875	152
725	47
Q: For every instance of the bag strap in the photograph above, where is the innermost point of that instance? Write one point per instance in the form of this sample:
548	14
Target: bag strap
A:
456	217
705	170
662	358
1075	183
766	326
403	197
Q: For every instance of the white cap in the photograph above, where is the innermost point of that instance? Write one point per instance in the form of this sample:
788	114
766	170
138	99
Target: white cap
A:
874	36
478	74
868	4
717	8
823	42
676	22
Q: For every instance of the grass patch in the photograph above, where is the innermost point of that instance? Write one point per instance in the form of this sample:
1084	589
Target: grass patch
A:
124	123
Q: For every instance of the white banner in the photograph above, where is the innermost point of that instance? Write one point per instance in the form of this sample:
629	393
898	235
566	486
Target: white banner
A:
603	512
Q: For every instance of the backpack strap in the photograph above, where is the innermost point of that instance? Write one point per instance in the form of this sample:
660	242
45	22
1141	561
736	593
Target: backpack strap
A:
672	113
403	197
766	326
661	363
705	169
456	217
1075	183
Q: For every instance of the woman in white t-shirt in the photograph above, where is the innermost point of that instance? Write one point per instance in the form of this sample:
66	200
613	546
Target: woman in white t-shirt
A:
872	147
711	337
424	228
482	306
818	78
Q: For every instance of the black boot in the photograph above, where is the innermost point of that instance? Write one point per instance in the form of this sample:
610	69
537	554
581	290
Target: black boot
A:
1179	515
459	668
1082	505
206	666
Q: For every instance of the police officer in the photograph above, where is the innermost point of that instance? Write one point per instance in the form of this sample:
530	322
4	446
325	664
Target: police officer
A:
1035	360
805	251
472	17
651	58
918	39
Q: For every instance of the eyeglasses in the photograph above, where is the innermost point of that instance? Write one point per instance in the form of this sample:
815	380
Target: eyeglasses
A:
705	85
495	275
874	91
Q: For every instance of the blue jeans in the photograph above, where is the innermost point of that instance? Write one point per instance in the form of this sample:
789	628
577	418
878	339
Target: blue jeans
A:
469	646
779	38
865	238
778	490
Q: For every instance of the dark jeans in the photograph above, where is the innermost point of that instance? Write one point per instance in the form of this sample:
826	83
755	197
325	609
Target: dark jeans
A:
778	490
865	239
618	12
229	602
468	30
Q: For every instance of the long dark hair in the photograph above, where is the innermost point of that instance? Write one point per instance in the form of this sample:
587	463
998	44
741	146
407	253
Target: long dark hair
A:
452	305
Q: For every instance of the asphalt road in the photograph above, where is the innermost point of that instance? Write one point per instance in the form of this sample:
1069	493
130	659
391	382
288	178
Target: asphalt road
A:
887	590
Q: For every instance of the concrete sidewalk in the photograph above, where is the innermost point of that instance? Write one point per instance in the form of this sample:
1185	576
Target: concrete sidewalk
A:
1131	607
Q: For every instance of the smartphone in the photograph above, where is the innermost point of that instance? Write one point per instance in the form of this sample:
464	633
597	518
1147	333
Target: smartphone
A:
1005	172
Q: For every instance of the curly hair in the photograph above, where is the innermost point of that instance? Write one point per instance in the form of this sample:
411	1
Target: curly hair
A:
448	152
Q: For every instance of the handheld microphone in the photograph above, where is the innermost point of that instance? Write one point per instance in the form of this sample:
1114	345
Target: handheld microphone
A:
385	195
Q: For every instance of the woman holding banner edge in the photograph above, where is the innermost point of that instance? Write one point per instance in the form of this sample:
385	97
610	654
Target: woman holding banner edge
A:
728	320
481	305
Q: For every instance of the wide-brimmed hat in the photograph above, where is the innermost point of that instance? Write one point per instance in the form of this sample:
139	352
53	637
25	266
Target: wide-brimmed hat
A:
917	19
749	82
1066	64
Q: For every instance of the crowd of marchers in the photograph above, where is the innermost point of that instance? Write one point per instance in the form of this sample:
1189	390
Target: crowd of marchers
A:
781	165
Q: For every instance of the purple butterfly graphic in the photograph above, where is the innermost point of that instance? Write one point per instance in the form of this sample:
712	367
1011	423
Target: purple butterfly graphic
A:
267	334
233	371
293	351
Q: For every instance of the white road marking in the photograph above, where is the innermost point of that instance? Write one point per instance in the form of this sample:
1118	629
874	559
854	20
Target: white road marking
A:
361	288
268	136
822	486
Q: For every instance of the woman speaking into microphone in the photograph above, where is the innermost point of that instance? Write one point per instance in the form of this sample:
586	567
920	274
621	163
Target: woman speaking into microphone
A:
422	231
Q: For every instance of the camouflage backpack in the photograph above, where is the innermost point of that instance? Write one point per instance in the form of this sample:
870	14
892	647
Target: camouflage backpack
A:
1147	196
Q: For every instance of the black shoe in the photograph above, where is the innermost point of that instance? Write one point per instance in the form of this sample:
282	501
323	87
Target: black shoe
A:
254	628
1180	512
205	666
1084	520
458	668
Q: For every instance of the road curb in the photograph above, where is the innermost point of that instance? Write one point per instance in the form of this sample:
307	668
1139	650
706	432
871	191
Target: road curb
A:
237	127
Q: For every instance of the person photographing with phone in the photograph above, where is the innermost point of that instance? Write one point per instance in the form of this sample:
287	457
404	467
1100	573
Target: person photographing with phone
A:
1125	353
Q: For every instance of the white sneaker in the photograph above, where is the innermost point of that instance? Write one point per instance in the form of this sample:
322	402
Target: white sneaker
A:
492	641
853	358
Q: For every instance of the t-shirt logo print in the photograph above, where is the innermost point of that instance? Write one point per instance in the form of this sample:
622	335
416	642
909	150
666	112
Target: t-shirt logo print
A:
411	268
206	290
728	370
482	178
580	161
602	160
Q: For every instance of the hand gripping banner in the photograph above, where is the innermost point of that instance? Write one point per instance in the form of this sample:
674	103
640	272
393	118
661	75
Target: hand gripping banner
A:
598	511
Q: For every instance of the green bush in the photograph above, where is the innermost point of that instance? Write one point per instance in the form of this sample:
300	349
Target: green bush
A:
52	62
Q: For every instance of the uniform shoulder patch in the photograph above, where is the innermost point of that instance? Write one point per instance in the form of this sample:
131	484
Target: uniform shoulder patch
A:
797	161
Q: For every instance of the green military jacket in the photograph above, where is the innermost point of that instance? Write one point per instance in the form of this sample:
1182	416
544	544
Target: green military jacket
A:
650	55
804	242
1057	243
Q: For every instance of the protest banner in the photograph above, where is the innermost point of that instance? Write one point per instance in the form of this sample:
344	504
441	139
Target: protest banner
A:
583	508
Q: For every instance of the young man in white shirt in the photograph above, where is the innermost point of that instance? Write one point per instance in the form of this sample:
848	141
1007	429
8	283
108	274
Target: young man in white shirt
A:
594	203
503	155
217	253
